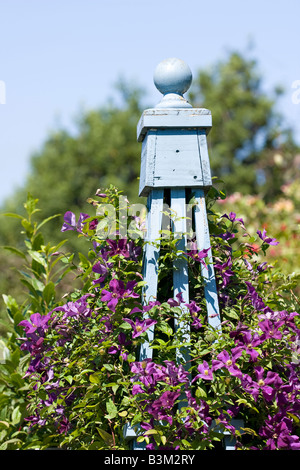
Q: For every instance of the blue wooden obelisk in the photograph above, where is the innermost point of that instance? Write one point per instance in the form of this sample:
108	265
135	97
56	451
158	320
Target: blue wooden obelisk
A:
175	158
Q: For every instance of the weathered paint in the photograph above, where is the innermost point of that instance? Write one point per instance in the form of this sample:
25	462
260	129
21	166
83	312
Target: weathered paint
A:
151	258
180	265
207	272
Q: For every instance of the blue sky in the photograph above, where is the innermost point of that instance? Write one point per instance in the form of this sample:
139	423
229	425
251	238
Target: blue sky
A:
58	57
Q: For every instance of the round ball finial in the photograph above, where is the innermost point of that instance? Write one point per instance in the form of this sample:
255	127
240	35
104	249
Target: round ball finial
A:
172	76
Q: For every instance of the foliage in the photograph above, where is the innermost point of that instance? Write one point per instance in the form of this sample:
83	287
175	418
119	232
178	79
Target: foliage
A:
72	377
251	148
281	218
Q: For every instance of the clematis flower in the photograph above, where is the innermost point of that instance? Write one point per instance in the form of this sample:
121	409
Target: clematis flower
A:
271	329
158	408
194	309
265	239
70	221
118	247
278	431
118	291
37	323
101	269
122	342
139	326
147	372
198	255
263	383
233	218
79	308
227	361
225	271
248	342
205	372
256	300
174	302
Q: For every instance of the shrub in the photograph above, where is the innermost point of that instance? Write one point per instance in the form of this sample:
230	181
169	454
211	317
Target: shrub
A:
73	377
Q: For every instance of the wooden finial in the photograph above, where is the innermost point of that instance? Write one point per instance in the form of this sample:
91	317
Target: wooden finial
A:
173	77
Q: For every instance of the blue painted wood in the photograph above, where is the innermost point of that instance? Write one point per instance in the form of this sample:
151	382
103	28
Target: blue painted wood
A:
155	118
174	149
151	258
172	77
203	242
180	266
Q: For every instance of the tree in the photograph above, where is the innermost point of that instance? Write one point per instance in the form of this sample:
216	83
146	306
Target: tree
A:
250	147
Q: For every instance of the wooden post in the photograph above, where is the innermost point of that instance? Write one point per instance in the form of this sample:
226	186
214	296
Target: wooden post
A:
174	157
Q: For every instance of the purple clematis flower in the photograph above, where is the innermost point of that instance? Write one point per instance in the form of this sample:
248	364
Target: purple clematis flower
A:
37	323
227	361
262	384
118	291
102	270
278	431
204	372
198	255
256	300
174	302
225	271
118	247
271	329
70	221
79	308
265	239
194	309
232	217
248	342
165	402
139	326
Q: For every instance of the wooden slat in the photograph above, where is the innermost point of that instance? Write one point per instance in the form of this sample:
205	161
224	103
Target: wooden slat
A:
208	274
151	258
180	265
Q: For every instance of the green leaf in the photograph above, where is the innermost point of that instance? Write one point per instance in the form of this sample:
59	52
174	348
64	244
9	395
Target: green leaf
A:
231	314
165	328
11	214
16	416
125	326
17	380
28	227
49	292
108	439
69	379
38	257
30	204
84	261
151	432
94	378
47	220
111	409
14	250
201	392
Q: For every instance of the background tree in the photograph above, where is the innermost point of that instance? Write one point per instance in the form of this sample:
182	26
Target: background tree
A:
251	149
